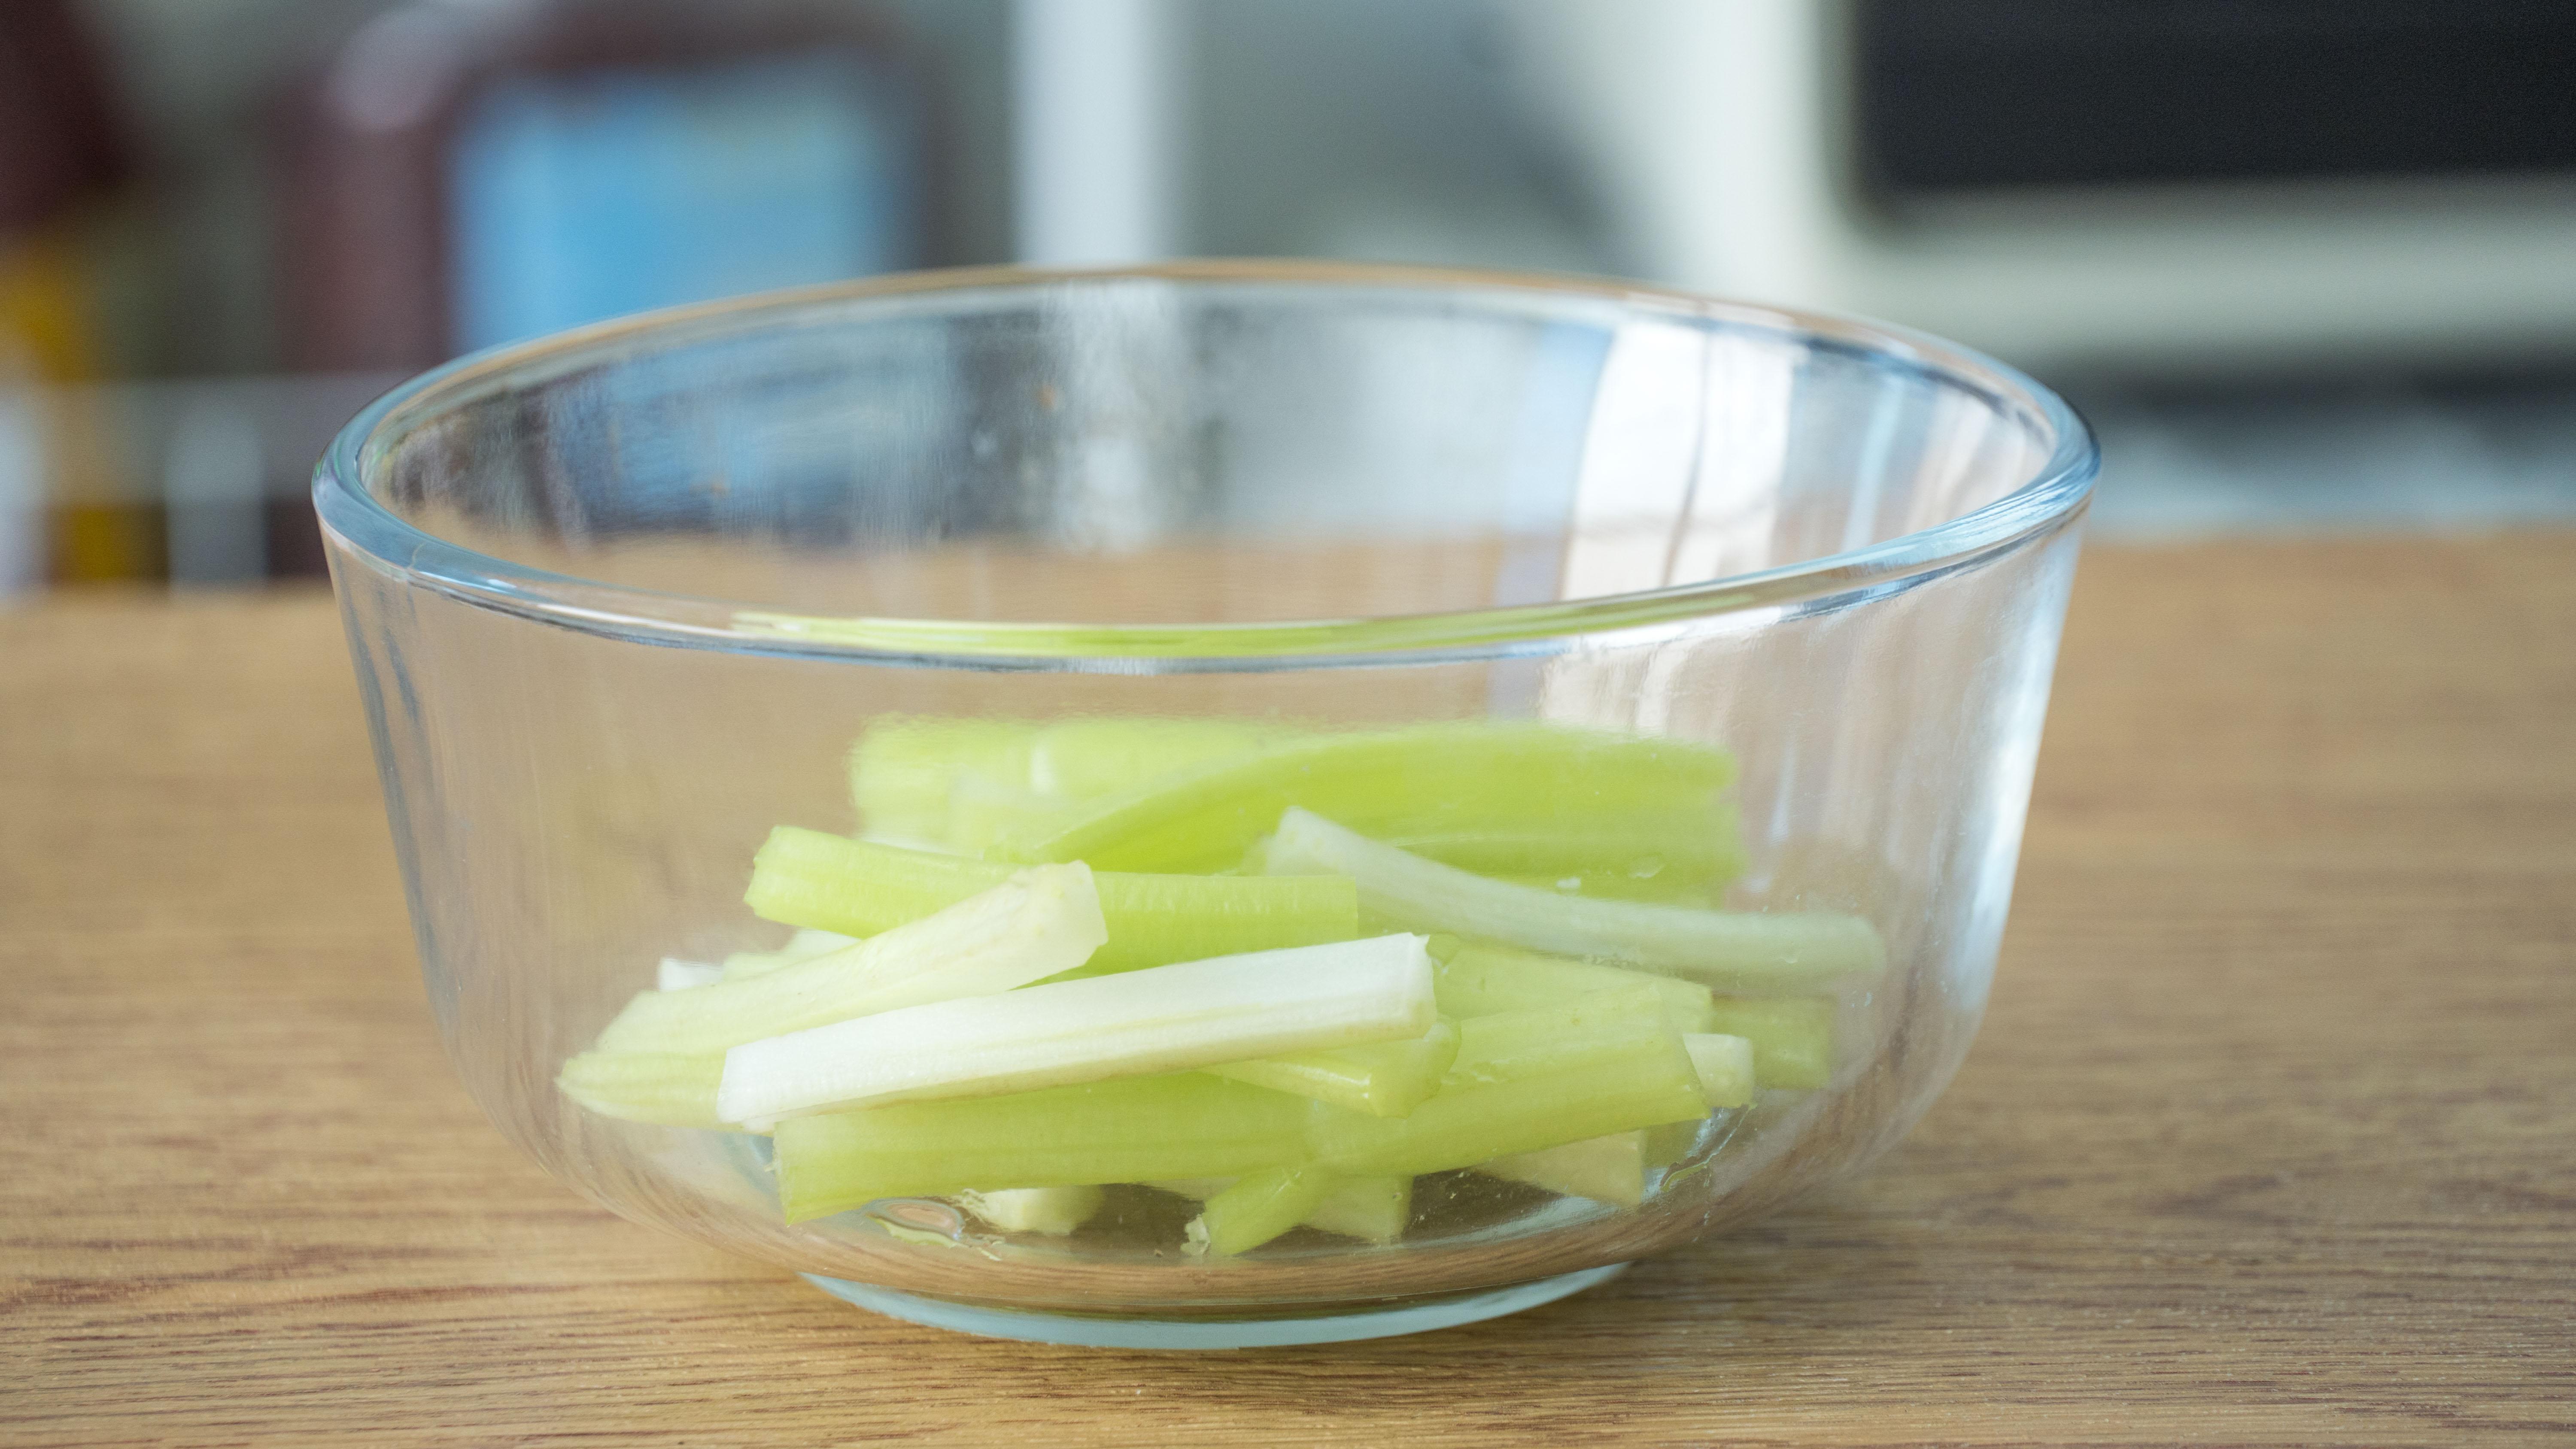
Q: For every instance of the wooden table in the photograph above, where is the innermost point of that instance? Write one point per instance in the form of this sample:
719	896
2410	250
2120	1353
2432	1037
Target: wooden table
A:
2271	1136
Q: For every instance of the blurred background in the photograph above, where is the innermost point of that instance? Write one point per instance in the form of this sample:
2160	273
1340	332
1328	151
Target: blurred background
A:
2309	264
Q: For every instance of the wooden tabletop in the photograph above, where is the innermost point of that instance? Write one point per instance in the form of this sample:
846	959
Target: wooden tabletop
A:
2270	1136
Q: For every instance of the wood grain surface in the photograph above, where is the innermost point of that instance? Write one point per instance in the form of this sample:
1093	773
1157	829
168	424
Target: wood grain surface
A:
2270	1138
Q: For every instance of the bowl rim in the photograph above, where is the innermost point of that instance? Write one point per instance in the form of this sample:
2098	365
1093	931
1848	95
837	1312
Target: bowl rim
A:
2052	497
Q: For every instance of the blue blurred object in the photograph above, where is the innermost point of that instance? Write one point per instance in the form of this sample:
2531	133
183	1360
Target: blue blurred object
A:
582	196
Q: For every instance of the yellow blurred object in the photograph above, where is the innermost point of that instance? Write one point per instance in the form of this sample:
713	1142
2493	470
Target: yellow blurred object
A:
46	339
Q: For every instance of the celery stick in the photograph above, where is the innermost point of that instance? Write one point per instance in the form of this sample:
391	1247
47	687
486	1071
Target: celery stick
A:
1724	1065
1645	856
675	974
1162	1019
1609	1169
1792	1036
1478	980
805	945
903	767
1751	953
1053	1211
1526	1080
1453	777
664	1087
1084	759
1029	927
1383	1079
808	878
1372	1209
1141	1129
982	811
1258	1208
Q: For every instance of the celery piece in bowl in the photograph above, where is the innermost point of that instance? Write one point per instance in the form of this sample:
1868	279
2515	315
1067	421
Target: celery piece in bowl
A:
1136	1129
1383	1079
1427	778
1029	927
1257	1208
904	767
1478	979
1050	1211
805	945
1525	1080
669	1088
1748	952
1371	1209
1162	1019
1792	1036
808	878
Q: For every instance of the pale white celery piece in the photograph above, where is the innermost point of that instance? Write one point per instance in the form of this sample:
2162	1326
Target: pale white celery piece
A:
1724	1065
1372	1209
675	974
1746	952
1160	1019
1032	926
1052	1211
1609	1169
805	945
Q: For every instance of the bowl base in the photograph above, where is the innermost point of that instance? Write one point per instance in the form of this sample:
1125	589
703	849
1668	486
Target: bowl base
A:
1205	1333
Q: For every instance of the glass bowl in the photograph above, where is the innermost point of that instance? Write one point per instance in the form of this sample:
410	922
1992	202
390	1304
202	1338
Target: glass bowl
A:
1619	707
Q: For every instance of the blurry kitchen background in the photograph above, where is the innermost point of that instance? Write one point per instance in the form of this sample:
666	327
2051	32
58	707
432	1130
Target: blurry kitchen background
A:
2310	264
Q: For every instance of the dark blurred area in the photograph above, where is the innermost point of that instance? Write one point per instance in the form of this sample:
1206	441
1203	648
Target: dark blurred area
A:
2310	265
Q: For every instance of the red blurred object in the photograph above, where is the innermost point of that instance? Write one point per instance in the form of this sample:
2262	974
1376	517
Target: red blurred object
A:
58	130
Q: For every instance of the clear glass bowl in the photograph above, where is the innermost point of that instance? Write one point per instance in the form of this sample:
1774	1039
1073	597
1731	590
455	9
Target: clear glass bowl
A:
620	602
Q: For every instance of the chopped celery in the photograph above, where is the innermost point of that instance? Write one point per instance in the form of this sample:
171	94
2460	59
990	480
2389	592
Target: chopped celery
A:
675	974
805	945
1162	1019
982	811
1428	778
808	878
671	1089
1748	952
1653	855
1029	927
1525	1080
1609	1169
1479	980
1383	1079
1052	1211
1792	1036
903	768
1140	1129
1259	1207
1724	1065
1372	1209
1084	759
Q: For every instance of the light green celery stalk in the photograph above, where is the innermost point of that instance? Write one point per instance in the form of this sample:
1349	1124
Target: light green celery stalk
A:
1085	759
1383	1079
1425	779
1372	1209
1027	928
982	810
1138	1023
1526	1080
1613	1168
1792	1036
1258	1208
805	945
1477	979
1750	953
904	766
1051	1211
671	1089
1609	1169
1652	855
1140	1129
860	887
